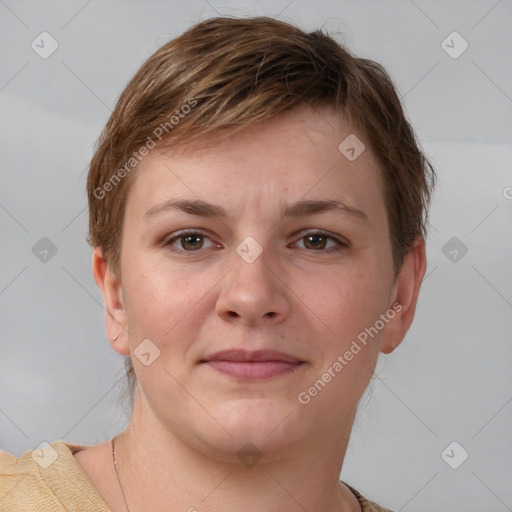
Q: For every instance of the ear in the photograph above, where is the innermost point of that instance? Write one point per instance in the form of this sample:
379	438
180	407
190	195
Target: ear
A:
404	296
110	287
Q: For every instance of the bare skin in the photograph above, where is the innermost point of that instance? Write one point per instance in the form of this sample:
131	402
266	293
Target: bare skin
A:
307	297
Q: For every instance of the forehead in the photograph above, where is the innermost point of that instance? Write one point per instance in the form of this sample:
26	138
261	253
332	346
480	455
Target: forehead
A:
295	155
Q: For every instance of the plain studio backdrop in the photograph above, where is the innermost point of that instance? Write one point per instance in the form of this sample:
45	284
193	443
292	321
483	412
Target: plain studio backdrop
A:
434	432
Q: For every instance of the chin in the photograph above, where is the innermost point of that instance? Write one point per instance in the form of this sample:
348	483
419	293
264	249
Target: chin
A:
265	425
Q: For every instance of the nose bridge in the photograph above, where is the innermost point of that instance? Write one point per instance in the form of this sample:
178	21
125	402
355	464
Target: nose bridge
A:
252	265
253	290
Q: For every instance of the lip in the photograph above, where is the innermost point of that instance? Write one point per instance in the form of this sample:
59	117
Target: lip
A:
255	365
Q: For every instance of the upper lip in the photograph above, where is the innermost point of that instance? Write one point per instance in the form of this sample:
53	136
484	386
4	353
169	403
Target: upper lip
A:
246	355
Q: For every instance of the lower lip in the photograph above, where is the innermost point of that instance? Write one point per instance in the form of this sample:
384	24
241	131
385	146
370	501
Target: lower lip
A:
253	369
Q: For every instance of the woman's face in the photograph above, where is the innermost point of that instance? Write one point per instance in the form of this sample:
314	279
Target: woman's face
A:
227	271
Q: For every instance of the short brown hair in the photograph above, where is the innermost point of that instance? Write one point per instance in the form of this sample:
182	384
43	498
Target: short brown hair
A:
233	72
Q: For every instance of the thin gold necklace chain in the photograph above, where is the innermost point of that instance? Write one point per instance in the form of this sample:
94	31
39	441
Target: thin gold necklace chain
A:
117	472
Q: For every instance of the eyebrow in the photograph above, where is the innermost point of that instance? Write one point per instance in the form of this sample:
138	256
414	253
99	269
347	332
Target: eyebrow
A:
300	208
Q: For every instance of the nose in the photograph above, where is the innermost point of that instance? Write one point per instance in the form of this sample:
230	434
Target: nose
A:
254	292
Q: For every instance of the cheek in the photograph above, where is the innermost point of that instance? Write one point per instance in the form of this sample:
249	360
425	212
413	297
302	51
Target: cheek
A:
152	303
167	306
345	302
344	310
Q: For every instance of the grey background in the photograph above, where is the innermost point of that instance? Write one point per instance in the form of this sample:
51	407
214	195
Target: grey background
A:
449	381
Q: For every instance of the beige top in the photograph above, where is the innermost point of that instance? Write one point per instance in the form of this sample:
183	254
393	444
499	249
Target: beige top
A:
51	480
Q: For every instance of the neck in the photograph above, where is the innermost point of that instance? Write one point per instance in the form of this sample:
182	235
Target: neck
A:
161	470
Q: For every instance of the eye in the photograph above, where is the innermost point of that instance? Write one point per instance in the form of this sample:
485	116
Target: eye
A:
318	240
189	241
192	241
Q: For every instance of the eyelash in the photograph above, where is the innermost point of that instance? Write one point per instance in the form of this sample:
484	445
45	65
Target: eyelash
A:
341	244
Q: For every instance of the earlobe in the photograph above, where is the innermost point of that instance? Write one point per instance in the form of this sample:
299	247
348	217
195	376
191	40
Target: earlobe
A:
405	294
115	315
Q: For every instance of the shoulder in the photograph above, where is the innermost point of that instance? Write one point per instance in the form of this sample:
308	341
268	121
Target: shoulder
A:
366	504
48	478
